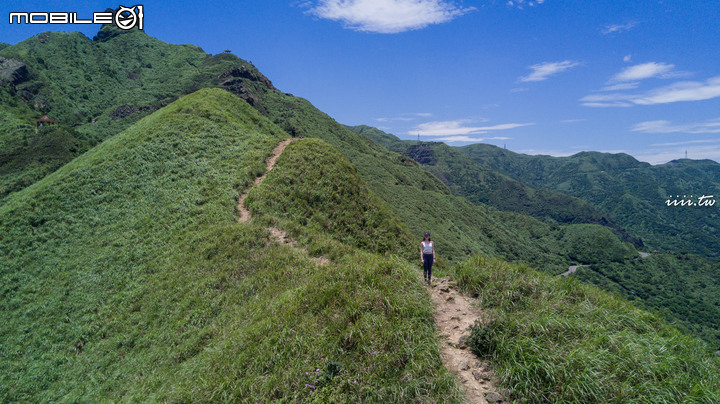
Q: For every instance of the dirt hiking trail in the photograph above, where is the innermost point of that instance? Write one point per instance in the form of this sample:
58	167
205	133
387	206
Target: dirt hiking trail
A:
454	315
269	164
277	235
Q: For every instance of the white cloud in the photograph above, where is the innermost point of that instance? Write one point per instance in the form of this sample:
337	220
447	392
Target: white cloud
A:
467	139
459	128
680	91
554	153
627	58
711	126
406	117
388	16
543	71
518	89
642	71
617	28
520	4
687	142
454	139
621	86
665	154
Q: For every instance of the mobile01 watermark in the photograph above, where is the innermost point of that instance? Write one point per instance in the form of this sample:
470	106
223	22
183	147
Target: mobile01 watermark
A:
124	18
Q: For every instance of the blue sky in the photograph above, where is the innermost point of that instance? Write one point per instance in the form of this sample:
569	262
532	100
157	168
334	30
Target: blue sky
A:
539	77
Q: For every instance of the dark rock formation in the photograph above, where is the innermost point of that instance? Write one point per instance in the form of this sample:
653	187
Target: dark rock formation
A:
127	110
243	72
13	71
420	153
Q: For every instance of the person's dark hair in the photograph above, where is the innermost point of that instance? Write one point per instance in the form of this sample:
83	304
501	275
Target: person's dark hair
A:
427	234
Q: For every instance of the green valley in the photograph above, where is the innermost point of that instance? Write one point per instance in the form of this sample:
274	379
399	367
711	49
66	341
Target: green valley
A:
126	274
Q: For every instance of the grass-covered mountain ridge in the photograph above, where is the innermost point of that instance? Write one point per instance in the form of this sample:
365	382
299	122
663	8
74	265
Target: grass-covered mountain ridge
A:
125	273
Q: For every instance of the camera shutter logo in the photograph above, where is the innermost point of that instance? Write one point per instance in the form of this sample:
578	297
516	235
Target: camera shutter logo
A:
127	17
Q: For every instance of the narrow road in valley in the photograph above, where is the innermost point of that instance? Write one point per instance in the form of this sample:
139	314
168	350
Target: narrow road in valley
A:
454	315
573	268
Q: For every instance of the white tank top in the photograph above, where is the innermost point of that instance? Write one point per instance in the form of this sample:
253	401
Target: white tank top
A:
427	248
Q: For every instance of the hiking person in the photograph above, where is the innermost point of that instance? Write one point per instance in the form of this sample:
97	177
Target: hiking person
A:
427	256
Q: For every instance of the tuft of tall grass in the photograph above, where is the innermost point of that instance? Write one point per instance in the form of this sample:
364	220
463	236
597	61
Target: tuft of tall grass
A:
124	276
557	340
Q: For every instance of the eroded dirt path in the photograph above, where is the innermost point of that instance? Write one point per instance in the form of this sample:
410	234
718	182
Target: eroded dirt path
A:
269	164
277	235
454	315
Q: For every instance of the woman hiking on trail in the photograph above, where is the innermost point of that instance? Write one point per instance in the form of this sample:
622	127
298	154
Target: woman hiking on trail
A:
427	256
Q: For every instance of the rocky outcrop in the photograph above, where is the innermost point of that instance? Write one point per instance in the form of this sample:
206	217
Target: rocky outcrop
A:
127	110
422	154
13	71
242	72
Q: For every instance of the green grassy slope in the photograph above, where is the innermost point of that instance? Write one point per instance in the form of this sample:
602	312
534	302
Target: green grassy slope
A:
685	288
125	276
152	73
419	199
478	184
554	340
682	289
95	89
632	191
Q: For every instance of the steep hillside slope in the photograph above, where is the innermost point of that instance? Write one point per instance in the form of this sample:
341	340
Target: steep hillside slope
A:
555	340
94	89
682	287
125	276
635	193
159	72
479	184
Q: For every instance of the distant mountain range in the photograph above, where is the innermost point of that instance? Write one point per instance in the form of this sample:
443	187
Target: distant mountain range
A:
124	273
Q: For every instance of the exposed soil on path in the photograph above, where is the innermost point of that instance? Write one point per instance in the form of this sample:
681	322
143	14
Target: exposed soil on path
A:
454	315
269	164
277	235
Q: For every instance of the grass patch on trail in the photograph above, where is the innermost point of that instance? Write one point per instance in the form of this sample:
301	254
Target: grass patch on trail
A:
318	188
557	340
124	276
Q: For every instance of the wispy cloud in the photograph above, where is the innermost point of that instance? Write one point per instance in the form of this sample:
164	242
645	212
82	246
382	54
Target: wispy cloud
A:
455	139
460	127
522	3
405	117
554	153
711	126
664	154
618	28
467	139
388	16
687	142
680	91
643	71
543	71
621	86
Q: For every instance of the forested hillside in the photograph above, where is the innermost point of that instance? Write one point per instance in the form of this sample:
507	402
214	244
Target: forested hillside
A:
635	193
149	250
